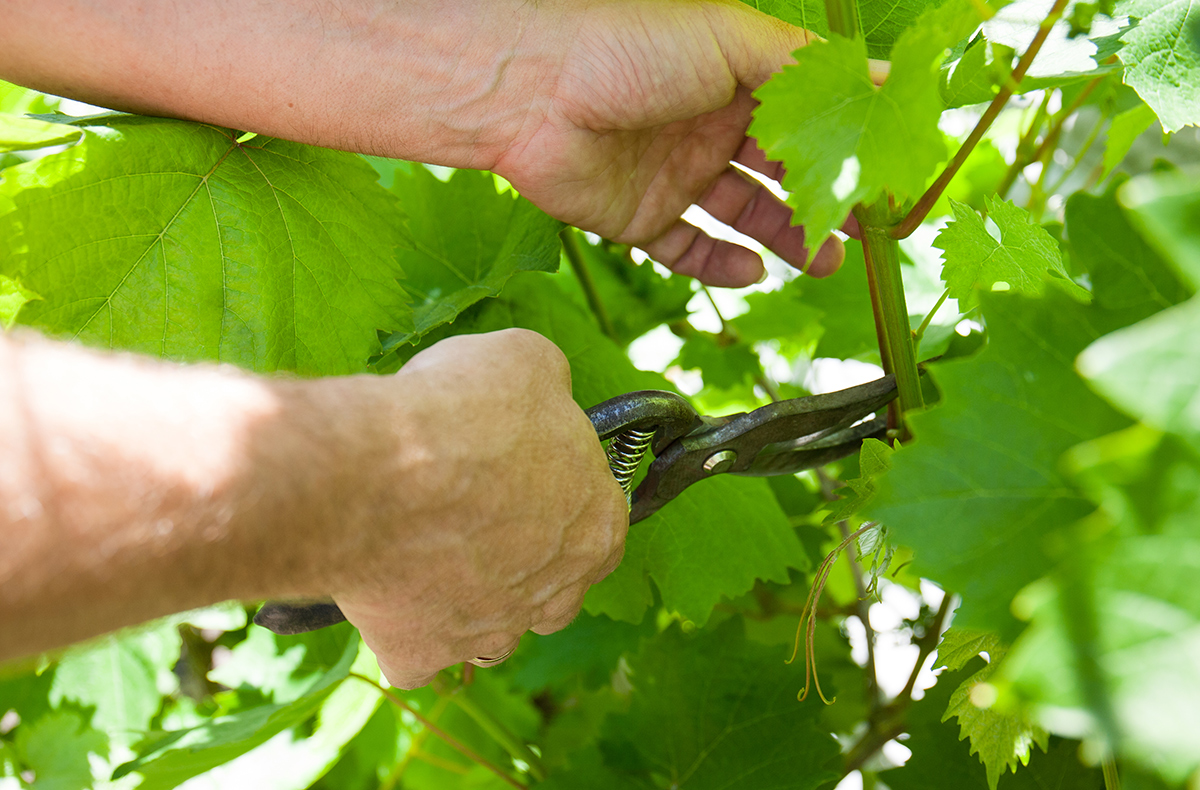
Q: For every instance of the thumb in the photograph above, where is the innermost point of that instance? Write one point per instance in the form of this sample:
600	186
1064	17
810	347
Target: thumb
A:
757	45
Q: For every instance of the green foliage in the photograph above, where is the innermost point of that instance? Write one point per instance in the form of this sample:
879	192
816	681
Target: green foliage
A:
462	243
715	710
979	487
1161	63
1024	258
853	140
1053	482
305	286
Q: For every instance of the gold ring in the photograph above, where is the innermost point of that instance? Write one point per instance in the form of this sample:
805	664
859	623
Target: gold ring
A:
482	661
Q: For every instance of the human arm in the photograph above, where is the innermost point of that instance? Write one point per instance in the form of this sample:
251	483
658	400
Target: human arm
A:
614	116
447	509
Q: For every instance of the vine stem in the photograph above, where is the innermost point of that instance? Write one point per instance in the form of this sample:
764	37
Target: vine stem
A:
1024	154
921	210
449	739
574	254
882	254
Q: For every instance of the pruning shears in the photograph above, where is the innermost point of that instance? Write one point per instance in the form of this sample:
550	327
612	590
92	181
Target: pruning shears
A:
781	438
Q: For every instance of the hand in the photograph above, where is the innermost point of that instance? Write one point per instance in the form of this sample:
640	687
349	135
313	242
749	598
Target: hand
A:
647	104
493	514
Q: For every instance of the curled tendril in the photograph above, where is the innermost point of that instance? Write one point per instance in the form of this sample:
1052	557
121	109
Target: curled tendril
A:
808	617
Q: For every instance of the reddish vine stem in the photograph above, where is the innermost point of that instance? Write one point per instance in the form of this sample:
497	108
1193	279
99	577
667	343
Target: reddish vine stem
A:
923	206
449	739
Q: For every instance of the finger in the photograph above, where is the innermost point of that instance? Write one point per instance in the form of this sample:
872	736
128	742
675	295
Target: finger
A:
610	564
686	250
561	610
753	157
828	259
749	208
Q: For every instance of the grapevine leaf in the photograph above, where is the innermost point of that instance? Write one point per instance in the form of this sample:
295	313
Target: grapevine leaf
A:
132	664
854	140
881	21
976	75
845	305
960	645
782	315
281	668
635	297
981	484
1024	258
304	285
1151	370
723	367
941	761
1062	58
1124	130
56	749
588	648
295	759
1144	593
874	459
1166	208
464	240
1002	741
718	711
1127	274
18	133
168	758
715	539
1162	62
12	298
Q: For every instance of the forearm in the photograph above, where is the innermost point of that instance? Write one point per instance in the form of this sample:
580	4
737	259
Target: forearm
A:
419	79
133	489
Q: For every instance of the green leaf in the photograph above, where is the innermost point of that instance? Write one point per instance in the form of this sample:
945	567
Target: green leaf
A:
1124	130
718	711
881	21
635	297
169	758
282	668
1025	257
844	302
1144	594
980	485
1001	740
18	133
1151	370
784	315
1127	274
874	459
269	254
712	541
120	676
854	140
723	367
464	240
1062	58
1162	63
588	648
940	761
56	749
1166	208
960	645
976	75
12	298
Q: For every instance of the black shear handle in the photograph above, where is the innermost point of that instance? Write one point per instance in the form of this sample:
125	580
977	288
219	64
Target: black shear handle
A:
665	413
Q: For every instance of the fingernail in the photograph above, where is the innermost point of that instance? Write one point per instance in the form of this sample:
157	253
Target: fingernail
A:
764	277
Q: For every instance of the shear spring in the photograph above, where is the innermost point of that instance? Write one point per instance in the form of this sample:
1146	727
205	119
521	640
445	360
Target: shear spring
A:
625	452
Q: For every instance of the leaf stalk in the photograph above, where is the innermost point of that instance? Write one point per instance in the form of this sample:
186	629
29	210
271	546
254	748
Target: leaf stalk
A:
923	206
